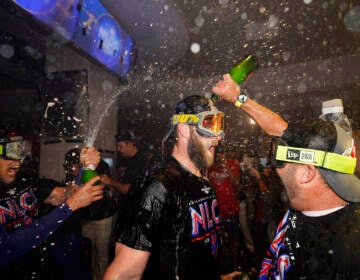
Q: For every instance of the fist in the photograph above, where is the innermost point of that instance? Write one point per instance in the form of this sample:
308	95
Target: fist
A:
89	155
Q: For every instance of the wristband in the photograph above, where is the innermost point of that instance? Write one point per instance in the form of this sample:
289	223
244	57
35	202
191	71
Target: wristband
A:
240	100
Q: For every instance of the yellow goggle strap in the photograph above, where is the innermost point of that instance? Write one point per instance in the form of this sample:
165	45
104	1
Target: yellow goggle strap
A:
332	161
185	118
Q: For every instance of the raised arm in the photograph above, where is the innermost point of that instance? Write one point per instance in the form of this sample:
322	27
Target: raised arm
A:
269	121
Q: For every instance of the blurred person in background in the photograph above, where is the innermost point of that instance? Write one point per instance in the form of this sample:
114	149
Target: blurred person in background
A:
133	164
225	179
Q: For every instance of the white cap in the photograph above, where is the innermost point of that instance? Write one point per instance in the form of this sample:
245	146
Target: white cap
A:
332	106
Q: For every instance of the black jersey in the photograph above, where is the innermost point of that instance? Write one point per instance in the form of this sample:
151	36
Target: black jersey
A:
175	216
324	247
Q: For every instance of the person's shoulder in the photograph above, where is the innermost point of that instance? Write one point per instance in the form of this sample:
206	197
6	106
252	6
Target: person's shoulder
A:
353	212
148	191
347	220
170	171
161	177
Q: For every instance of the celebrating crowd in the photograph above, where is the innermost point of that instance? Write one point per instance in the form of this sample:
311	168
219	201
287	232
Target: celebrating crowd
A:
206	212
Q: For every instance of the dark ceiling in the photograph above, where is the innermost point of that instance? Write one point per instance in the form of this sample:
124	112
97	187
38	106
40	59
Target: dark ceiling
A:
278	32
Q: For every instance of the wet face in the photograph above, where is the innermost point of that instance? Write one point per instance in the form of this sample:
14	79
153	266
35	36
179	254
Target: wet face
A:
8	170
202	149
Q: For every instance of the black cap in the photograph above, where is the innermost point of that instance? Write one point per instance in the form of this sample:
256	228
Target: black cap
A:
326	136
125	135
193	104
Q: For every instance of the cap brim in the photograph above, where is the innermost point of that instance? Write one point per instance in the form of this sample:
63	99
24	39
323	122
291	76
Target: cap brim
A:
347	186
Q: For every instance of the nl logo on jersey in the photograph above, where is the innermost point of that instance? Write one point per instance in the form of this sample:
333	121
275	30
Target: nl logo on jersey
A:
298	155
205	221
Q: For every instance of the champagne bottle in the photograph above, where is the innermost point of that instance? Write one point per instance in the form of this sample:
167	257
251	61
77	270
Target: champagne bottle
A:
89	172
240	72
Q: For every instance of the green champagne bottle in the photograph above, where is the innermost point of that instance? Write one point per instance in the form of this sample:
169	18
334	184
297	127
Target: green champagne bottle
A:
89	172
240	72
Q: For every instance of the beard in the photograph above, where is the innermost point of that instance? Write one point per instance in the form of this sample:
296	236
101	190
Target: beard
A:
198	153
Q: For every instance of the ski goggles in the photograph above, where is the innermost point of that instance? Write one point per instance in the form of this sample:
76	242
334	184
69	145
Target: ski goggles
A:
281	153
15	149
208	123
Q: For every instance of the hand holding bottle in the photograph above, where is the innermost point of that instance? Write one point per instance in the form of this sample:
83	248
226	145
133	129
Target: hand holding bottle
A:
227	89
86	195
89	156
237	75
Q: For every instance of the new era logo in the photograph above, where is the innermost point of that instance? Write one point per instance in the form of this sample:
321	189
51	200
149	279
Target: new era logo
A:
304	156
293	154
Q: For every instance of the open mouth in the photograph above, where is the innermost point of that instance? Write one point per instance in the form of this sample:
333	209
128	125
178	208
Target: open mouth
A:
13	170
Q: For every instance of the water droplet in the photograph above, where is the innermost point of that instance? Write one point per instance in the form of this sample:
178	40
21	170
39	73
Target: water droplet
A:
7	51
199	21
195	47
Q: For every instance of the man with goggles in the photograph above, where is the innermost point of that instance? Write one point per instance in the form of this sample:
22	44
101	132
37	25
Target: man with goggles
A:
173	226
318	238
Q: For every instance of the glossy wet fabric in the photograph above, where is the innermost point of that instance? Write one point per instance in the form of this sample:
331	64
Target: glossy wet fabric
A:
175	216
